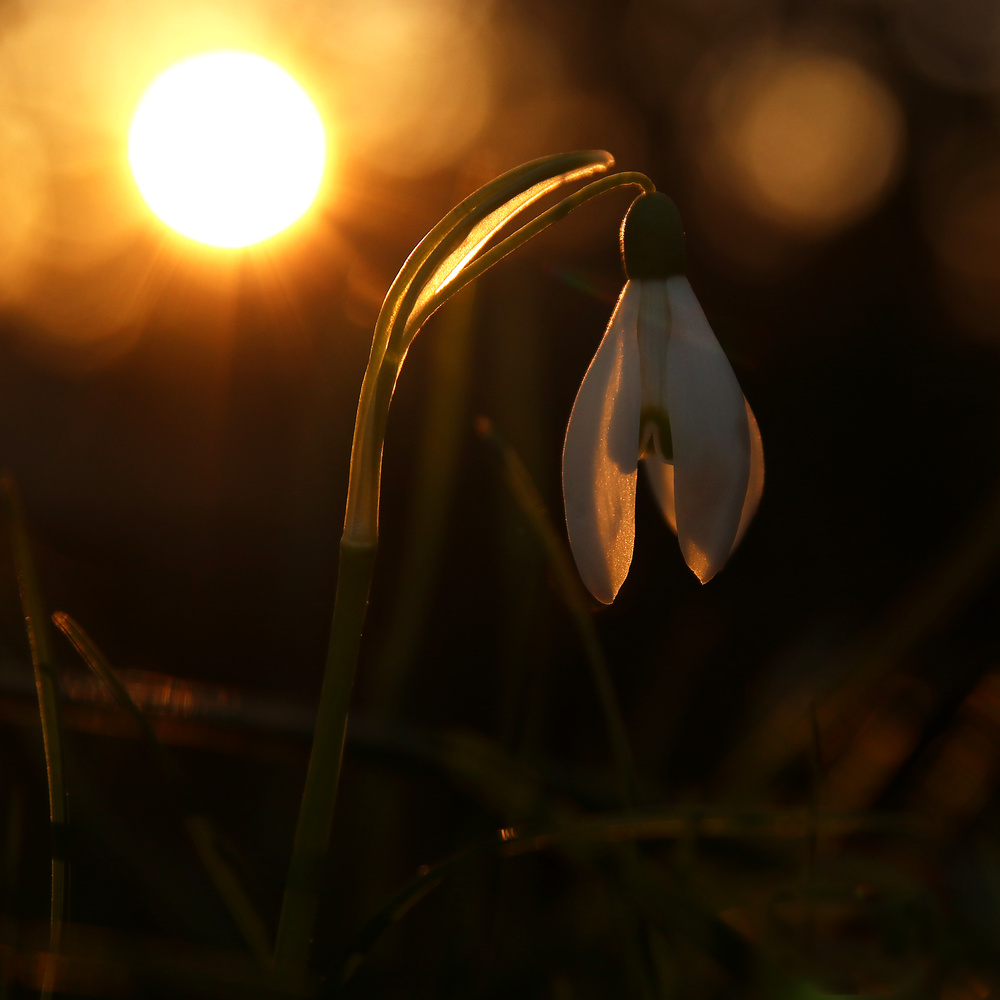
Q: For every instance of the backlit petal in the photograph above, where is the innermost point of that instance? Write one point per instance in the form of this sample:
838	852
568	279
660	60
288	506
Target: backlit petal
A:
661	480
755	487
710	433
601	453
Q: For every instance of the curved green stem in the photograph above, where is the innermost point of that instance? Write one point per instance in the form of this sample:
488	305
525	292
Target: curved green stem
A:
312	834
436	269
521	236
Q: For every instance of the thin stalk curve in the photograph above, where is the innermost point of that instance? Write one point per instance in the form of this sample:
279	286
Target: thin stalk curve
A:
443	262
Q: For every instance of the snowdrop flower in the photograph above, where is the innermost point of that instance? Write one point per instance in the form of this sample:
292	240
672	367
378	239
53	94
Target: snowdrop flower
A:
660	390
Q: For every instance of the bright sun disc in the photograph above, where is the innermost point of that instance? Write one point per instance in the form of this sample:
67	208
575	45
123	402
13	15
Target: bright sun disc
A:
227	148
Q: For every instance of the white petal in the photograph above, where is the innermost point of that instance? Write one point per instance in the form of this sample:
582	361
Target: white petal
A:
601	454
654	335
710	433
661	479
755	487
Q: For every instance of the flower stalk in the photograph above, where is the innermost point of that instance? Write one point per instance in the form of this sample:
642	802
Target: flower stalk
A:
448	258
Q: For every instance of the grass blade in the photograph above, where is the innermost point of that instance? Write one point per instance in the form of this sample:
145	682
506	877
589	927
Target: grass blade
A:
199	827
370	933
36	624
571	592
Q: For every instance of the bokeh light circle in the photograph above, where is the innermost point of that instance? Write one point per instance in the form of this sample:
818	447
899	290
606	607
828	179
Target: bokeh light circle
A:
811	141
227	149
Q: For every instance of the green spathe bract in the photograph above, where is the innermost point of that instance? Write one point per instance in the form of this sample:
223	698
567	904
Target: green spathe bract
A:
653	238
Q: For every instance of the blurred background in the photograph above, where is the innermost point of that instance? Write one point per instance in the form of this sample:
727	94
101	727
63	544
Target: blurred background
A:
178	420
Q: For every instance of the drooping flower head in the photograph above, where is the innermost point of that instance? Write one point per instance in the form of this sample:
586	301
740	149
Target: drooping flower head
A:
661	390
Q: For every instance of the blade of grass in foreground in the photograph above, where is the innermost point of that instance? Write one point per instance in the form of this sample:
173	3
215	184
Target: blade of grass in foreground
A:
199	827
36	624
571	593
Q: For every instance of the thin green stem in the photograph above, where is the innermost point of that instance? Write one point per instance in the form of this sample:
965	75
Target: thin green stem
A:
36	624
302	890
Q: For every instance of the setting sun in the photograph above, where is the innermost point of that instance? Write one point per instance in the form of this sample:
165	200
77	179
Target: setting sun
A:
227	149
